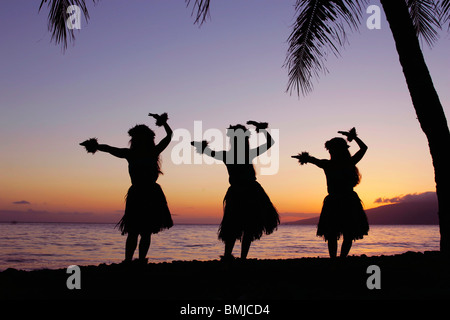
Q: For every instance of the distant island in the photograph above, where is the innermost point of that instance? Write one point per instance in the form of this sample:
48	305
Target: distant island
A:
412	209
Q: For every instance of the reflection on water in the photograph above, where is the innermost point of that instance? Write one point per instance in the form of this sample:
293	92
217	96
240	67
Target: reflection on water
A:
51	245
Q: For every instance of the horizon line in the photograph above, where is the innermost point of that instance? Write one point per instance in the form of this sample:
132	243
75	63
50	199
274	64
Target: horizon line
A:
287	223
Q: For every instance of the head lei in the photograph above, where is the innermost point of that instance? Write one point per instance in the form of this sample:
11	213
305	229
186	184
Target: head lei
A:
231	130
336	144
141	130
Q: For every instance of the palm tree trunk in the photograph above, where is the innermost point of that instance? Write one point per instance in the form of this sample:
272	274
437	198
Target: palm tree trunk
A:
428	108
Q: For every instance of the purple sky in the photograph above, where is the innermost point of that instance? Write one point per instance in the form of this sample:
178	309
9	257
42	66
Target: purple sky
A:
136	57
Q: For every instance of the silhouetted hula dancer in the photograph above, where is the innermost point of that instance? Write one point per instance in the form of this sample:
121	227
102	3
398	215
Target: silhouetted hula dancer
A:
342	211
146	210
248	211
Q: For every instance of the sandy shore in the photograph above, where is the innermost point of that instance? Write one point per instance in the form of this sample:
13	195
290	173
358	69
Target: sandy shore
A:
410	275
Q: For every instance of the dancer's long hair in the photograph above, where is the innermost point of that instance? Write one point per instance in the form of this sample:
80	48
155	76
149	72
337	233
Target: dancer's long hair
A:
143	139
338	149
236	133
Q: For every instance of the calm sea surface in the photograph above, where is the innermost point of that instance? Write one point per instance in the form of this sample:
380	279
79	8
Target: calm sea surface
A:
29	246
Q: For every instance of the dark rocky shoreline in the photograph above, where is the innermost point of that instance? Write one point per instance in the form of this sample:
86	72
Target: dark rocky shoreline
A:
412	275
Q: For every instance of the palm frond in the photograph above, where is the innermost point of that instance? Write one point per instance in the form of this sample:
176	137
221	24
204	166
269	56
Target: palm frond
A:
425	18
444	12
201	7
320	29
57	18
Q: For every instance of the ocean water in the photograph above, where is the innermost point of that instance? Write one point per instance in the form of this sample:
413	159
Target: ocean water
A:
30	246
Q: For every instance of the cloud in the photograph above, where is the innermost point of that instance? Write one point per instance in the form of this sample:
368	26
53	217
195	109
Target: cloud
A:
388	200
21	202
407	198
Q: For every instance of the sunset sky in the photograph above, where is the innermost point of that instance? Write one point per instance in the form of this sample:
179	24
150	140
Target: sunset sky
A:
136	57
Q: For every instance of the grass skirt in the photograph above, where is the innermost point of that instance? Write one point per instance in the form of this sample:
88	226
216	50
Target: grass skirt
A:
146	210
247	210
342	214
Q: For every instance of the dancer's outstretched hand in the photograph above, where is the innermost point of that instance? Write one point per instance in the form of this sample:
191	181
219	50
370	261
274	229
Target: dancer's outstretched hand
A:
91	145
303	157
351	134
160	119
258	125
199	146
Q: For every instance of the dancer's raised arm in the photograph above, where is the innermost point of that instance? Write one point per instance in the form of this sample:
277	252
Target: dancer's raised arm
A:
161	121
351	135
261	127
